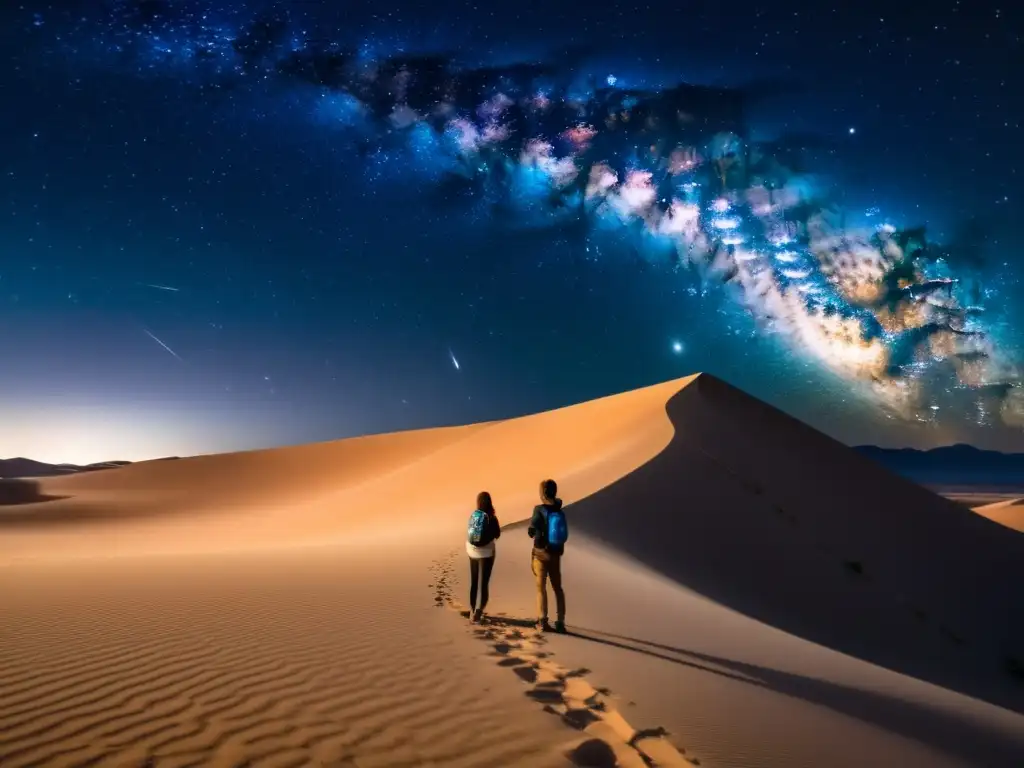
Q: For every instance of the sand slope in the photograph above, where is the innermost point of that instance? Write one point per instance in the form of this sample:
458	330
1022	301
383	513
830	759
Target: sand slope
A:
408	483
758	590
784	524
1009	513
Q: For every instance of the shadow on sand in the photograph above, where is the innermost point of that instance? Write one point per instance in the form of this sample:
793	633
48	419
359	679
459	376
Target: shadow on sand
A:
593	753
24	505
17	492
971	740
567	693
760	513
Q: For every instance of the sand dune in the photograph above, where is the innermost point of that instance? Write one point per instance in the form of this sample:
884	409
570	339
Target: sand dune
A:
753	593
1009	513
976	497
409	484
790	527
21	467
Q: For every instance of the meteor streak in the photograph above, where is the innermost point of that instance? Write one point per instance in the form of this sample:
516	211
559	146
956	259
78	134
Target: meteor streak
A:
154	338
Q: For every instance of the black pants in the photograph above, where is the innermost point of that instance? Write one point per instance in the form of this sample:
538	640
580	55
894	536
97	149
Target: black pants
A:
479	567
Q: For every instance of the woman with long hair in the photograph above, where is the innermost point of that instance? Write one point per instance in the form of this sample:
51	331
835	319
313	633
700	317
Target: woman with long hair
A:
483	530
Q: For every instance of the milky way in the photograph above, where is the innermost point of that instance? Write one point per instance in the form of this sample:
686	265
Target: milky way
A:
894	314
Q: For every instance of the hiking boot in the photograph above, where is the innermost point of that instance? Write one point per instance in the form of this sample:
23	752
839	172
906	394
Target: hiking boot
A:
560	627
543	626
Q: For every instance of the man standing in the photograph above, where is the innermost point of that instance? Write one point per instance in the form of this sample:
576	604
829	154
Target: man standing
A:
549	531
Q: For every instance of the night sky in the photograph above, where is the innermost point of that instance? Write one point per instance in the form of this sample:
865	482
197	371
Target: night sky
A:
230	226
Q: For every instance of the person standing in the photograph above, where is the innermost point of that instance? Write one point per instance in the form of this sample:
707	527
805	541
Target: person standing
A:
549	531
483	530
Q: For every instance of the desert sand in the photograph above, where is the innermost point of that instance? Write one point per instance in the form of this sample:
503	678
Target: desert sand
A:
742	591
1008	512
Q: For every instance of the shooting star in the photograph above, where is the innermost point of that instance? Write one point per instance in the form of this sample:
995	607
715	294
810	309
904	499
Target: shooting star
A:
154	338
454	361
161	287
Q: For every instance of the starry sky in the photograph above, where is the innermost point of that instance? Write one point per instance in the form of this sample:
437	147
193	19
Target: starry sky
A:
229	226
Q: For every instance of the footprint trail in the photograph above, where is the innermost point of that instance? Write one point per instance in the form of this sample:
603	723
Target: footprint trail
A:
564	692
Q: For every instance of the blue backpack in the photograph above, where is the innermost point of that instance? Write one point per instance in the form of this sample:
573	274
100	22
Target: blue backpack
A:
477	526
558	528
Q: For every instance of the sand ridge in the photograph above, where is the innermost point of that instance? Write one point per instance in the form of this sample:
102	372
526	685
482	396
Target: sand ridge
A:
418	481
789	526
1009	512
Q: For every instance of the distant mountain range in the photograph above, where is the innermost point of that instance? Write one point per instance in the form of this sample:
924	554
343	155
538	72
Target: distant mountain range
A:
21	467
954	465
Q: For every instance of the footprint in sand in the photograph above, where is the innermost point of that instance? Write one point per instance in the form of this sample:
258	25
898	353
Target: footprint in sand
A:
612	742
443	571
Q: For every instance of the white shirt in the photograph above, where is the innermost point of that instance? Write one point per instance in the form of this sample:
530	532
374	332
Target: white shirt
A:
478	553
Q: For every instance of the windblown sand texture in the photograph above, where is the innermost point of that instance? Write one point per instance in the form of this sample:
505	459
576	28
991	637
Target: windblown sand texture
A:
743	591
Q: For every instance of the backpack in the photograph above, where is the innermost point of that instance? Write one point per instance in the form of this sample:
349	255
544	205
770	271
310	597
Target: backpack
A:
477	527
558	528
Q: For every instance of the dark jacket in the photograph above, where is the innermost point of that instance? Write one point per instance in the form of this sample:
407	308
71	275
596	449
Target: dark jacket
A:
538	529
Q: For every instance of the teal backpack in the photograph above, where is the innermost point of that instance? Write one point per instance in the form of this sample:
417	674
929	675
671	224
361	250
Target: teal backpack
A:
477	527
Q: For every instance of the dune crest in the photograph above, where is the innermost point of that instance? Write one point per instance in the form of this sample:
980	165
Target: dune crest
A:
795	529
404	482
1009	513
